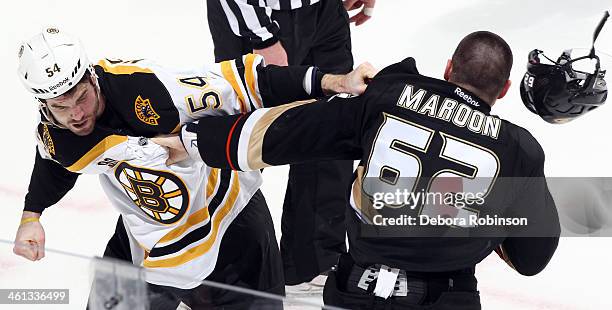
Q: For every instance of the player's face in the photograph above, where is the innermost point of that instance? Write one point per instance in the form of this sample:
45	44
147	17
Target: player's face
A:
79	108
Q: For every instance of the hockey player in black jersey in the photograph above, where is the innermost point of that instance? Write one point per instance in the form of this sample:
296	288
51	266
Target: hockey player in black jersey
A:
423	135
183	225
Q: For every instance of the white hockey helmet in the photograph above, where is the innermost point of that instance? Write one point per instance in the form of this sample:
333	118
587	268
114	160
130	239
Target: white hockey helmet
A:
51	63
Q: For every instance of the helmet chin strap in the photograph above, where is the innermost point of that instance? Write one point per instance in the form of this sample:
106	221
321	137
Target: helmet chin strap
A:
598	30
565	58
96	85
48	116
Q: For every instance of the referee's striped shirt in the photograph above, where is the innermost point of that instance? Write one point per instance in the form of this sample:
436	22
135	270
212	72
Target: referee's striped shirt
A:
251	18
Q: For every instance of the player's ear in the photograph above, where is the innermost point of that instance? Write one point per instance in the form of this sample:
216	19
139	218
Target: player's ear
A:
504	89
448	69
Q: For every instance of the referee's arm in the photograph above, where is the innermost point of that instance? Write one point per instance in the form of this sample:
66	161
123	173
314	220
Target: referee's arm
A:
251	21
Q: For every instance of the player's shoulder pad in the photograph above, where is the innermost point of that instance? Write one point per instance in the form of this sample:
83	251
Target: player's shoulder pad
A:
134	89
530	149
397	72
126	67
66	148
406	66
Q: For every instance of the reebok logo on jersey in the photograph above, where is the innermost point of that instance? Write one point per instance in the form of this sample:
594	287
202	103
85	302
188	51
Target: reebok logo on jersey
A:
144	111
466	97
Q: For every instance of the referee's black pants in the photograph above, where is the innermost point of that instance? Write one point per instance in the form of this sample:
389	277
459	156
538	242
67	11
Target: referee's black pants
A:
312	225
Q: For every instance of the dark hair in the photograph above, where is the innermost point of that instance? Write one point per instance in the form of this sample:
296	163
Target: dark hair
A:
483	61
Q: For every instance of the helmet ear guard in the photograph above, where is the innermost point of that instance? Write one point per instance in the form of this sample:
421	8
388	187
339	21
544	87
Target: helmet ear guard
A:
559	93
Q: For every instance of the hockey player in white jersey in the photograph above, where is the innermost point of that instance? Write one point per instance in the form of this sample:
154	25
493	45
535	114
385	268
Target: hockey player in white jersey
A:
184	223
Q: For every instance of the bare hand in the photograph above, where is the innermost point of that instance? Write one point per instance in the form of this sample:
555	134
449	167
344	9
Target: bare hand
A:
176	150
364	15
355	82
30	238
274	54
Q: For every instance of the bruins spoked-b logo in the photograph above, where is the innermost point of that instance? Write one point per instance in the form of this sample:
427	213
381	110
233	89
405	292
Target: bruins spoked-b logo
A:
144	111
161	195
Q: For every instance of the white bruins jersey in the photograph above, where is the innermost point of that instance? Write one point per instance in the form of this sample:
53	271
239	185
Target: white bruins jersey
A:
176	215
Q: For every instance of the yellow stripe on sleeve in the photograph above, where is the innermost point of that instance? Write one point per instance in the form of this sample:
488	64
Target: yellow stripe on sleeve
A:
177	128
228	74
250	77
96	151
122	68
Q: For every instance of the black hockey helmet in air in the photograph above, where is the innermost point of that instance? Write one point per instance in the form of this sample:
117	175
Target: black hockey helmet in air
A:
558	92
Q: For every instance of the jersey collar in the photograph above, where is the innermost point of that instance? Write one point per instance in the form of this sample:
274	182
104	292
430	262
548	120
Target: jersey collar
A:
467	97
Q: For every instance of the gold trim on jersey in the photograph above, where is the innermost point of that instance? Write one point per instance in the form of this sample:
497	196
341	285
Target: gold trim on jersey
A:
48	141
230	76
205	246
197	217
212	182
367	210
501	252
357	187
250	77
122	68
200	84
99	149
177	128
256	137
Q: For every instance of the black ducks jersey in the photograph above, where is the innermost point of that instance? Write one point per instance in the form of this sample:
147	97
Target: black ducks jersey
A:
417	139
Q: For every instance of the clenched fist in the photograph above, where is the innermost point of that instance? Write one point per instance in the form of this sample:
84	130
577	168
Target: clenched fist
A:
30	238
354	82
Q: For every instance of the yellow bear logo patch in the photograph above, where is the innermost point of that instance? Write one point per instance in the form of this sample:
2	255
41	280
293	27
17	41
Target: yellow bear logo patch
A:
145	112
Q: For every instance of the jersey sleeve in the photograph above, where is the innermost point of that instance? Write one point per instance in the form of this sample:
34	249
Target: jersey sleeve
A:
236	86
529	249
48	184
291	133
